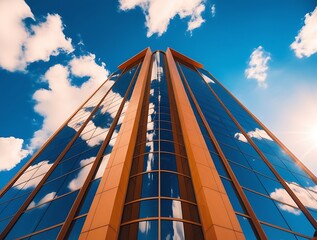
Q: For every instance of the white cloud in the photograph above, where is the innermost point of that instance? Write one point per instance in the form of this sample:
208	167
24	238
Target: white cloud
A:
13	33
144	227
86	66
307	199
213	10
61	98
20	45
177	209
46	198
102	166
207	79
257	67
290	209
150	162
196	19
280	194
36	172
305	43
256	133
158	13
12	152
178	228
240	137
33	171
47	40
78	182
259	134
99	135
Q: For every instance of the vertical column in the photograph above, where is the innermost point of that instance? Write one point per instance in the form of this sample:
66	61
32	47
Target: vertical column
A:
104	217
216	213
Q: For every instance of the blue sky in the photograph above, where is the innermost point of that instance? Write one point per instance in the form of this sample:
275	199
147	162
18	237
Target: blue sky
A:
53	55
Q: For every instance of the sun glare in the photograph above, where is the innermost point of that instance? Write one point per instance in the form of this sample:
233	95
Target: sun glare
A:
313	134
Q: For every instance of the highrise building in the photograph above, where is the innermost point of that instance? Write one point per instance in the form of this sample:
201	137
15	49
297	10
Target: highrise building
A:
161	151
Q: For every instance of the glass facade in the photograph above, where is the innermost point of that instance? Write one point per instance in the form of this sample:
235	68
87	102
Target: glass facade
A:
270	193
85	140
160	194
259	183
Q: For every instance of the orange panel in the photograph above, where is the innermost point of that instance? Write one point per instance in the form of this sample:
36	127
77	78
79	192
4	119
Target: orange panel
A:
186	59
133	59
104	217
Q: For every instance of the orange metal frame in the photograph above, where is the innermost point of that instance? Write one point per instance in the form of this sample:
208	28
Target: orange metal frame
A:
217	215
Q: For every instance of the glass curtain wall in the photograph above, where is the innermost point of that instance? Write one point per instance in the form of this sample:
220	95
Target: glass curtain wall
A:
63	166
160	201
297	179
276	211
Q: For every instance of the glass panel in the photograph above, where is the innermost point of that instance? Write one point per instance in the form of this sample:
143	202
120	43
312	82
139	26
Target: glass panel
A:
167	146
247	229
296	219
148	161
272	186
13	207
219	165
76	179
274	233
269	213
4	223
57	211
140	231
260	166
169	185
233	196
75	228
142	209
27	222
8	195
178	209
102	166
168	162
142	186
90	194
173	230
166	135
176	186
234	155
247	178
180	230
47	235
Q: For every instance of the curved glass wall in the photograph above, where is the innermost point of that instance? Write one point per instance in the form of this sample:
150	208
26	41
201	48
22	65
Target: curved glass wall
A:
297	179
260	185
160	201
